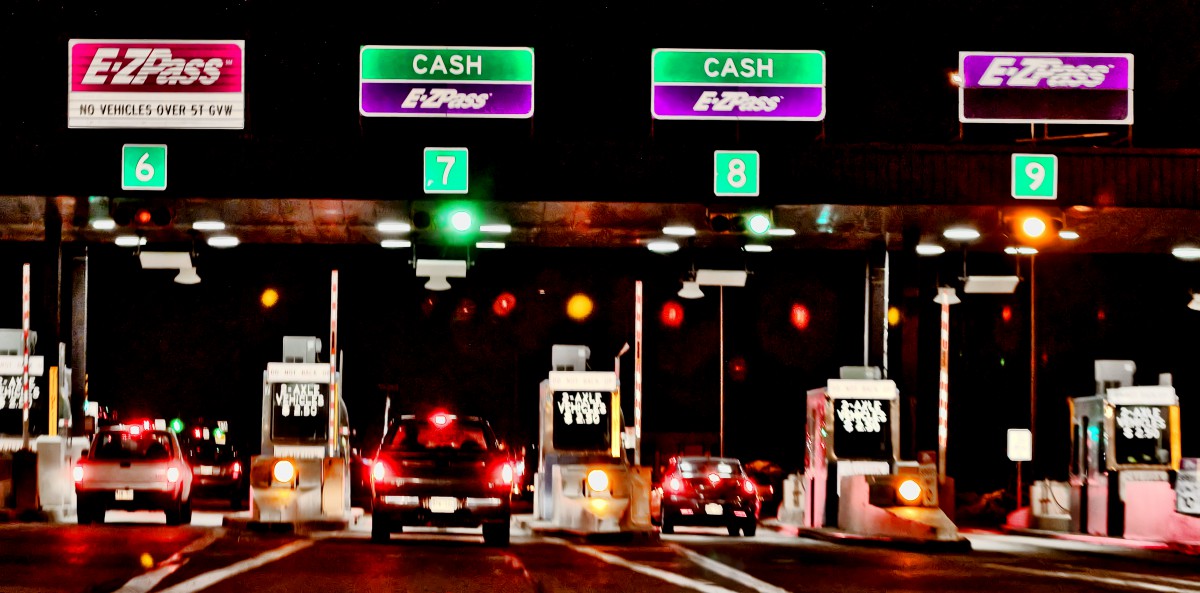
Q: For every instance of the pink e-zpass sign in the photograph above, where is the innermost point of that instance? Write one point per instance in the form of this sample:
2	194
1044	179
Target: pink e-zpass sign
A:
156	84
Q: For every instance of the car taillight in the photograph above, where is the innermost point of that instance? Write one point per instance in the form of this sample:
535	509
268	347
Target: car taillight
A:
506	473
748	486
78	473
676	484
379	471
172	474
502	474
236	469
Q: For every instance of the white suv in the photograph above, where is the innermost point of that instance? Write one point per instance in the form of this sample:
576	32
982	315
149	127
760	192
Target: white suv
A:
130	467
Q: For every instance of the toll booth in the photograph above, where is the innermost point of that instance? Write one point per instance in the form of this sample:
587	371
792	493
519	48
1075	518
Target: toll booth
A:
852	429
303	471
1124	450
585	482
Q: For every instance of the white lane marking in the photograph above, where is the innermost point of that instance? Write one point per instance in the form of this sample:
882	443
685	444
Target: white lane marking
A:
147	581
670	577
728	572
1096	579
210	578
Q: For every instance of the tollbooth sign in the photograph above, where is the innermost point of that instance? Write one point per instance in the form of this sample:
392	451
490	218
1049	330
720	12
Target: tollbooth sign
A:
155	84
300	411
582	420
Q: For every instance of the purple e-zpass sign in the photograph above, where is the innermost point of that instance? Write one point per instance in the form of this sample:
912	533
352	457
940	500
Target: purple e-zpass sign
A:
409	81
1045	88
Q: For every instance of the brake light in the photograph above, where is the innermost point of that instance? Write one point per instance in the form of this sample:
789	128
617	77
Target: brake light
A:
135	430
748	486
78	473
440	420
172	474
236	470
506	473
379	471
675	484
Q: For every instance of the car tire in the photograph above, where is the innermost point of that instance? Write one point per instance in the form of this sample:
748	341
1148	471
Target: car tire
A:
83	514
733	530
668	526
496	534
750	528
380	530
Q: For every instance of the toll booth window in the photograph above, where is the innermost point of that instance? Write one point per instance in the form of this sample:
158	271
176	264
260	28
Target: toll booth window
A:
862	429
426	435
121	445
582	421
300	411
1141	435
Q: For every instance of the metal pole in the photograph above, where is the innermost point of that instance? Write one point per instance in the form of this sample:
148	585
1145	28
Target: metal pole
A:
944	391
25	357
1019	485
333	366
1032	357
637	374
721	325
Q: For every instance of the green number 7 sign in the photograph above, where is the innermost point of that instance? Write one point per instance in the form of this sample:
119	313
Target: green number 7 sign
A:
445	171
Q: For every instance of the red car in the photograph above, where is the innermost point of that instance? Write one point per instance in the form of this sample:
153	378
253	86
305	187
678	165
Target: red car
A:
708	492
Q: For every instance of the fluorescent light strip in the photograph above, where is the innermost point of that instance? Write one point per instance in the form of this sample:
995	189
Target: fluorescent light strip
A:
961	234
498	229
130	241
393	227
1068	235
223	241
930	249
679	231
1020	250
395	243
490	245
104	224
208	225
782	232
663	246
1188	253
758	248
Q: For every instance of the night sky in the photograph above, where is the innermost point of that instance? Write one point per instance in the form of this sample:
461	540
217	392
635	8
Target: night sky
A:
161	349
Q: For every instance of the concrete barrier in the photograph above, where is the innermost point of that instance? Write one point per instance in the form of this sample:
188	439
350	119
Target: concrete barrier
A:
791	506
858	516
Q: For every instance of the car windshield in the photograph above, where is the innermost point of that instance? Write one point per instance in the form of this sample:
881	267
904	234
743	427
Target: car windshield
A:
425	434
724	468
120	444
210	453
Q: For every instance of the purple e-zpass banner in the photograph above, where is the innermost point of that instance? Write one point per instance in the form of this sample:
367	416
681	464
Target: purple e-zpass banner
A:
738	102
472	99
1042	71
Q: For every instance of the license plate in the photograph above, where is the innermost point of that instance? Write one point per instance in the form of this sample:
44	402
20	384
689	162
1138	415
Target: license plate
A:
442	504
206	470
125	494
713	508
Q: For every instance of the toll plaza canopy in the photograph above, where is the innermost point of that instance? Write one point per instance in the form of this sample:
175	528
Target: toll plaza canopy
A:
855	122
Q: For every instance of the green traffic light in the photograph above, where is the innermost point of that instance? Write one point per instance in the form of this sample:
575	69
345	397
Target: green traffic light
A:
216	432
177	426
759	223
461	220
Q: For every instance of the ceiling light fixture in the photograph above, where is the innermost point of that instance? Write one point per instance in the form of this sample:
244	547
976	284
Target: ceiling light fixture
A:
961	234
782	232
395	243
663	246
490	245
1068	235
104	224
208	225
438	270
498	229
690	290
1186	253
390	226
223	241
130	241
930	249
679	231
756	248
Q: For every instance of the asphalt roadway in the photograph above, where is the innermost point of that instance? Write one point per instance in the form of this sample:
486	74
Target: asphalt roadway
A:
136	552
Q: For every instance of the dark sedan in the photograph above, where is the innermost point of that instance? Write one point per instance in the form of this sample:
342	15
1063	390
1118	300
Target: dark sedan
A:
443	471
707	491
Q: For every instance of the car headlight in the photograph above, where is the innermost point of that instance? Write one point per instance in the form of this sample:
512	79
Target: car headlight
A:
283	471
597	480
